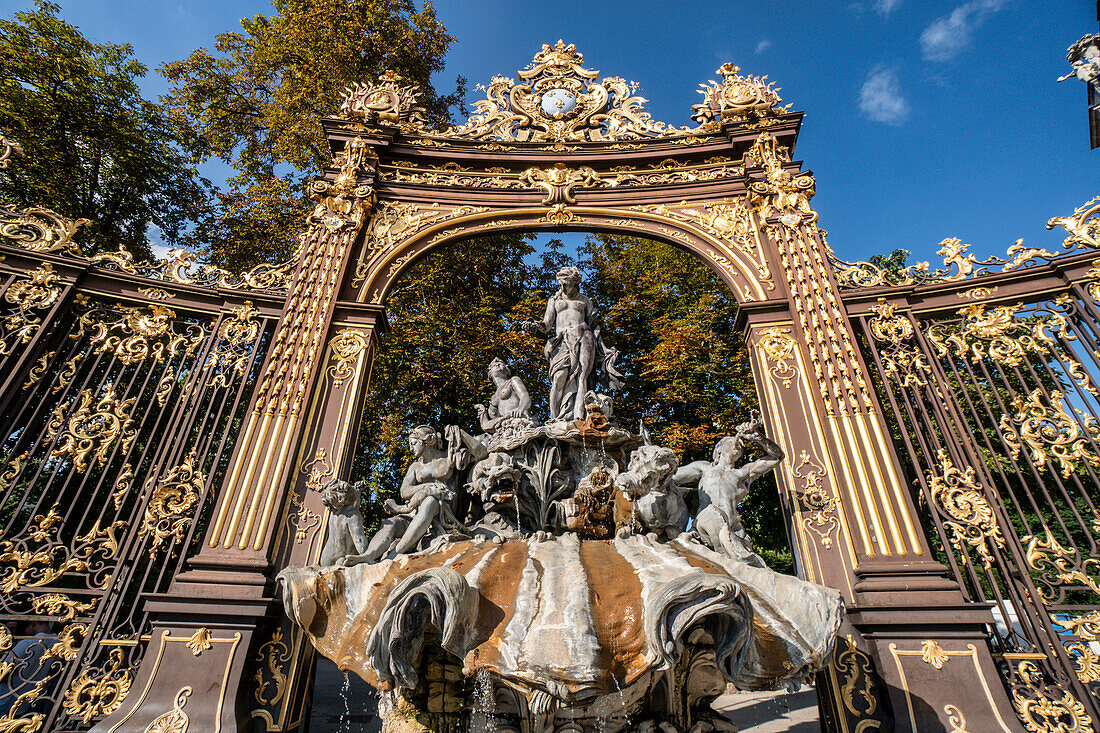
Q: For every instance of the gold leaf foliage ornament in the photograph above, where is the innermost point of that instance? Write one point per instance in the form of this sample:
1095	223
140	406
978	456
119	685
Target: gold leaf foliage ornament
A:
1051	434
960	497
559	181
857	690
347	345
236	335
1085	627
1058	565
170	507
779	348
956	719
92	695
1083	226
140	333
199	641
273	654
60	605
388	101
997	333
886	326
39	289
779	194
13	721
92	429
1086	662
175	720
737	98
41	230
27	567
1042	712
9	148
818	505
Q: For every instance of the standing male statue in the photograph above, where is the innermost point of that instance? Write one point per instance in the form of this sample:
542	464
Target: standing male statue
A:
574	347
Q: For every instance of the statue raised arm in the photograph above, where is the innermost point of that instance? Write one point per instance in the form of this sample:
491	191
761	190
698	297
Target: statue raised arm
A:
573	347
722	485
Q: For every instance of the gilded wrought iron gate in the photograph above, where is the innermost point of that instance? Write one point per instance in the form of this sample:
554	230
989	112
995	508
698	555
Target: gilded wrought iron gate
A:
991	381
122	387
166	428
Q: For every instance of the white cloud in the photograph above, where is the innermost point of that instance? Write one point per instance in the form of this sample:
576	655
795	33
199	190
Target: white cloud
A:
763	46
880	97
886	6
946	36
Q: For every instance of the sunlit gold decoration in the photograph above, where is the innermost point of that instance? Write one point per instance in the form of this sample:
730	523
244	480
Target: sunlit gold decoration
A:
347	346
558	214
885	326
1043	713
819	507
68	643
559	181
123	483
8	149
13	469
40	230
182	266
1083	226
388	101
38	369
737	98
1051	434
199	641
932	653
979	292
273	654
779	348
65	376
93	429
1085	627
779	193
14	722
343	204
175	720
236	336
1086	662
303	520
956	719
907	367
139	333
961	497
558	100
39	289
6	666
999	334
1049	557
60	605
91	696
857	690
169	510
155	293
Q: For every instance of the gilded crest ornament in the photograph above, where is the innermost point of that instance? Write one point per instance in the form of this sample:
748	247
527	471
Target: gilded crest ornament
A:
737	98
41	230
175	720
199	641
932	653
93	429
1043	712
387	101
1051	434
778	347
559	181
886	326
347	345
558	100
139	333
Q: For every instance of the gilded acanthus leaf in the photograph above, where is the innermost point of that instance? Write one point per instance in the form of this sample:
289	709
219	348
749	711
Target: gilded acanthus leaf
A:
1050	433
92	429
970	517
169	511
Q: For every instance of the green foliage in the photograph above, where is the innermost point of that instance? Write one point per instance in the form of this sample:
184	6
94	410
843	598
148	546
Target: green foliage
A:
688	376
94	148
257	100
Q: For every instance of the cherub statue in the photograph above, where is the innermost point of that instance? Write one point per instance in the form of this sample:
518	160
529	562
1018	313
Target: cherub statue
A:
722	486
648	482
510	401
428	491
346	535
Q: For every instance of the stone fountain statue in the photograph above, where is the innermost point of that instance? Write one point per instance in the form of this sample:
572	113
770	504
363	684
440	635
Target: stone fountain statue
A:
575	589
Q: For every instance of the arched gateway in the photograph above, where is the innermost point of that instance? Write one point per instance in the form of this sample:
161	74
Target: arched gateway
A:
168	429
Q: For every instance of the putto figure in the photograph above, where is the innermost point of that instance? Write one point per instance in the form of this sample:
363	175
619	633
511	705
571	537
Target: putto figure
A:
345	522
574	348
722	486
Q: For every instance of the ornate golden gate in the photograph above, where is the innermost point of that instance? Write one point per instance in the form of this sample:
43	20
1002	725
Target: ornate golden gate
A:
167	427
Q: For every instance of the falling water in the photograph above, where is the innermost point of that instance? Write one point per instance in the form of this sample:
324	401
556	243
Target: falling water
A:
483	711
345	693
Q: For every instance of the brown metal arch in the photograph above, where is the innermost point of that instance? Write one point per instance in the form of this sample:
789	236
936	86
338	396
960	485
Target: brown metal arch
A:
727	261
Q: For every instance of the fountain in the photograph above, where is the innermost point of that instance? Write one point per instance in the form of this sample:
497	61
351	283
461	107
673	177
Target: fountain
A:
567	576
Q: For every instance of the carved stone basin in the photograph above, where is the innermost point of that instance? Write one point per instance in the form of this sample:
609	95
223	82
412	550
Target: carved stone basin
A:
570	625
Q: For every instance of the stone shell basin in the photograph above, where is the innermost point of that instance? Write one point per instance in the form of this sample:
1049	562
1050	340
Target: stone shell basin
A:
569	618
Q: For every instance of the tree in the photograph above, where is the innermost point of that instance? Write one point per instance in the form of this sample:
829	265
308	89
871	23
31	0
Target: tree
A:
256	102
94	148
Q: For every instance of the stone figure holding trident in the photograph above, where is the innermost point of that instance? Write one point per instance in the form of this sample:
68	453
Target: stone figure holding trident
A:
574	347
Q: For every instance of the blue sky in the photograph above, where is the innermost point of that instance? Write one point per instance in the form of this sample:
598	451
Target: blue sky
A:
923	119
